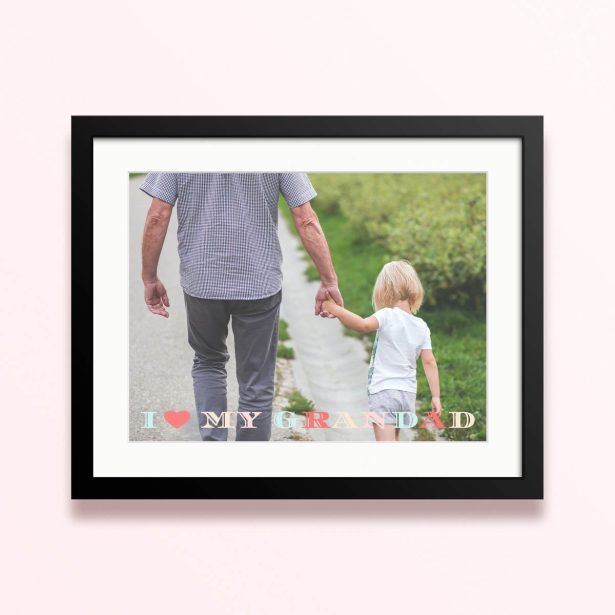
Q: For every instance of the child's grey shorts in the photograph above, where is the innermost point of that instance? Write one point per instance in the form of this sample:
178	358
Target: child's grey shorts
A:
389	401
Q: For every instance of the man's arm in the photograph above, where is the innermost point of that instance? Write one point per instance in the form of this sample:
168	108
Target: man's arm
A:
156	225
315	242
431	371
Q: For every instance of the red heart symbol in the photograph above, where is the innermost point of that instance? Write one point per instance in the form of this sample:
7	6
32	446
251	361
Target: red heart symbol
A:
176	417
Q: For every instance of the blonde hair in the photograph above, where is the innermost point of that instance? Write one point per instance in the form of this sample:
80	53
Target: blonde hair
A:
398	281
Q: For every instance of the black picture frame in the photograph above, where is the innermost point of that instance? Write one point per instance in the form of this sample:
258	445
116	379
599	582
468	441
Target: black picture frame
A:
86	128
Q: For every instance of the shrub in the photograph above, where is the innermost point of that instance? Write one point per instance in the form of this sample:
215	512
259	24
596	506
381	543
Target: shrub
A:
332	188
436	221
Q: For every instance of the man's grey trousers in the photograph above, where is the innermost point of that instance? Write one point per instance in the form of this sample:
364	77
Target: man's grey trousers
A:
255	329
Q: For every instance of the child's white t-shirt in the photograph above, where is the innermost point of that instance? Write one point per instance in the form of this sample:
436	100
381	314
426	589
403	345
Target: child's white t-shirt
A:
399	341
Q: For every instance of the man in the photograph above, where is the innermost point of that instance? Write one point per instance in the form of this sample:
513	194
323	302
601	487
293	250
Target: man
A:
230	269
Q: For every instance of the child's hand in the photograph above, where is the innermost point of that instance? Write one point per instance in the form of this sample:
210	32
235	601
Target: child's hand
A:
436	406
328	305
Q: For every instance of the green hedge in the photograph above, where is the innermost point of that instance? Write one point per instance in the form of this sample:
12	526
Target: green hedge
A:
436	221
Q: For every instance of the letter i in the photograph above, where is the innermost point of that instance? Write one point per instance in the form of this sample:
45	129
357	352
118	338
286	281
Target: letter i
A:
149	420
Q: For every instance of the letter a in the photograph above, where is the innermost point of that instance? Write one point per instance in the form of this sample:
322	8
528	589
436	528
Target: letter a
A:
433	419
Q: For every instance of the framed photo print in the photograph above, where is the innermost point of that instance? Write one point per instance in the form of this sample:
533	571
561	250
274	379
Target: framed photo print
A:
307	307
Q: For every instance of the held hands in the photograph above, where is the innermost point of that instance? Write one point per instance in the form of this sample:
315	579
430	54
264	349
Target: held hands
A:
327	295
436	405
328	306
156	297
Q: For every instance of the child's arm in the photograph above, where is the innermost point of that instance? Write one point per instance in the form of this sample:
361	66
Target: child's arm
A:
431	371
350	320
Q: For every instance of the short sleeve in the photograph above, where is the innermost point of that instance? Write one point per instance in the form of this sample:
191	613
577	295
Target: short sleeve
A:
382	316
296	188
161	186
426	345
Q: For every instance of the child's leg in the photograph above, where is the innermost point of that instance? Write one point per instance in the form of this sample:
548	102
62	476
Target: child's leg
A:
380	403
385	433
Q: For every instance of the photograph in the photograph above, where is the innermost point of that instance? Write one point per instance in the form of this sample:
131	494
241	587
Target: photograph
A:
308	307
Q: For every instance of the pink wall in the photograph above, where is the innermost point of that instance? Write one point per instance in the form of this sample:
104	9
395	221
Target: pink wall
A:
531	57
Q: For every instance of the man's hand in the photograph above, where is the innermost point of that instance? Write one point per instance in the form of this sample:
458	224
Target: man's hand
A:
156	297
436	406
327	292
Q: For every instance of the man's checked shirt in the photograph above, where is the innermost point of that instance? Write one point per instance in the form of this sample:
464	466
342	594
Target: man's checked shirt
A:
228	229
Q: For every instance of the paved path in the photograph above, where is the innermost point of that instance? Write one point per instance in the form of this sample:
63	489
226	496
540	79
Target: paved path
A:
331	368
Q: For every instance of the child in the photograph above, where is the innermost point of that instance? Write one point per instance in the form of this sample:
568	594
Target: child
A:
400	340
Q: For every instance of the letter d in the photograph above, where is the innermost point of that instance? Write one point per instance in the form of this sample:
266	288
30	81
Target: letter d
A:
470	420
400	420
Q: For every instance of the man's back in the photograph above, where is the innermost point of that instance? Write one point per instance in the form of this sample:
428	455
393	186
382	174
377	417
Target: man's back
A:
227	229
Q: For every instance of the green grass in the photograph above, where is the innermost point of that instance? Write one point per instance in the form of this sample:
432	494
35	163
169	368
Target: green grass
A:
423	435
459	343
285	352
298	404
283	335
458	335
